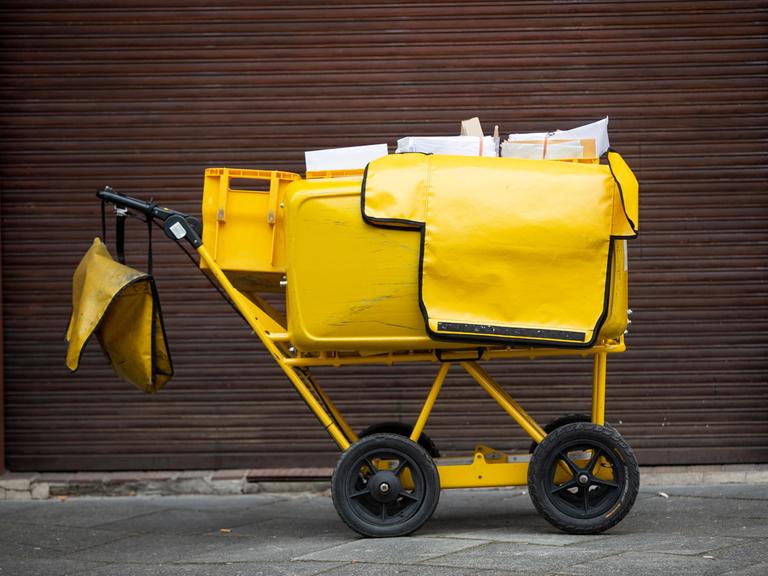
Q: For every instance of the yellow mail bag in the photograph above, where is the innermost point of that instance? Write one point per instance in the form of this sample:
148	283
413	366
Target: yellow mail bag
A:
120	305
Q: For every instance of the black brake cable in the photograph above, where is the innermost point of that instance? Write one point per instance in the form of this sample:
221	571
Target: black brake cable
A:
218	288
149	220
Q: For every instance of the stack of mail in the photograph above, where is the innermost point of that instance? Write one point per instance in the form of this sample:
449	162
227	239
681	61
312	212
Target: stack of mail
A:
561	144
454	145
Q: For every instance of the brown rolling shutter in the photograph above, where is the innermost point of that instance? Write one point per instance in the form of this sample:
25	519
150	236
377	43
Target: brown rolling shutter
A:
144	95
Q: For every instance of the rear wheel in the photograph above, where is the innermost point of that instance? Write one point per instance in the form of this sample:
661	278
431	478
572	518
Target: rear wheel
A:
401	429
583	478
561	421
385	485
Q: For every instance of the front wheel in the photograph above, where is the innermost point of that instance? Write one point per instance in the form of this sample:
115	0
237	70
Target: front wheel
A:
385	485
583	478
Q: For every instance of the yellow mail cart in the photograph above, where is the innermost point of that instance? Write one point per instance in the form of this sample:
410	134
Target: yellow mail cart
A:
453	261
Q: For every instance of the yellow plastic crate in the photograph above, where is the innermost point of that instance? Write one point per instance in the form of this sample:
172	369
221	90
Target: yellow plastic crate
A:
243	228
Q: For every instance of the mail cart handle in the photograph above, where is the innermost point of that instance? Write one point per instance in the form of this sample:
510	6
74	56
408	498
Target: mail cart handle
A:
177	225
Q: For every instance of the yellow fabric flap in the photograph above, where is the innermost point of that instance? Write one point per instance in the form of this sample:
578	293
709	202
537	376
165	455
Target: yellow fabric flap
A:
118	304
626	212
400	180
513	250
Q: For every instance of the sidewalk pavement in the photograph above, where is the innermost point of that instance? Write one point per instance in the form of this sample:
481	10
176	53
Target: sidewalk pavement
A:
708	529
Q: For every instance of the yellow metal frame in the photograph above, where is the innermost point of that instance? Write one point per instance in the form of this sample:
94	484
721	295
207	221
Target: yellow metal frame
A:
486	467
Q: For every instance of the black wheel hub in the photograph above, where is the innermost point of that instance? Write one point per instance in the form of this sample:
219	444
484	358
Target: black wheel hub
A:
384	487
585	494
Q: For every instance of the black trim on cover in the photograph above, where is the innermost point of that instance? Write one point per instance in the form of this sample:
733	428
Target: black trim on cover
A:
511	331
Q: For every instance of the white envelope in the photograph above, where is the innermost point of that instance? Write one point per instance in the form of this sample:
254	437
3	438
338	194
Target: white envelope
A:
454	145
351	158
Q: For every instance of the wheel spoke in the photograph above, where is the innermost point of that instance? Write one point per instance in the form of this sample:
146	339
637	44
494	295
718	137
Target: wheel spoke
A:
601	482
570	484
408	495
568	462
359	493
596	453
585	489
399	468
371	466
383	511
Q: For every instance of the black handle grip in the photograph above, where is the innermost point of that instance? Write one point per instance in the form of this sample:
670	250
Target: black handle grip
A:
177	224
147	208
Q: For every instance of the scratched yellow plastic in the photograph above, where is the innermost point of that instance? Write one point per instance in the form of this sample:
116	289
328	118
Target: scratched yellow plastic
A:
353	286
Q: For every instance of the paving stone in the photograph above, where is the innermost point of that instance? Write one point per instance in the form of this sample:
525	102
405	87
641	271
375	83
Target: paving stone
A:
7	508
229	475
366	569
277	549
392	550
757	476
31	566
740	491
754	570
527	558
516	533
305	506
311	486
307	528
753	550
153	549
59	538
217	502
40	491
230	569
181	521
494	509
17	495
15	483
651	564
79	512
21	551
667	543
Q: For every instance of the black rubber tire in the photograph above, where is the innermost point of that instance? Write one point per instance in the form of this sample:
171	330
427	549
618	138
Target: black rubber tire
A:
597	504
401	429
561	421
357	486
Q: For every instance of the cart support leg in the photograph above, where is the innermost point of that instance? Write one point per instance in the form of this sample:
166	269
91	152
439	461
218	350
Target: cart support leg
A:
246	308
418	428
325	399
505	401
599	365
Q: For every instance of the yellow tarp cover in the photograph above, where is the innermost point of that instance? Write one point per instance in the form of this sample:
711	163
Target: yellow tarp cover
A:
513	250
120	305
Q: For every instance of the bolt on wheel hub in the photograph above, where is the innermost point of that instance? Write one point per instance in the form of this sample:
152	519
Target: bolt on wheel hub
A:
384	486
